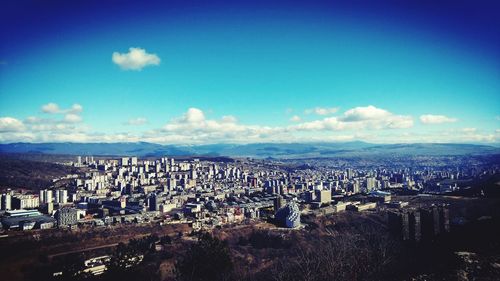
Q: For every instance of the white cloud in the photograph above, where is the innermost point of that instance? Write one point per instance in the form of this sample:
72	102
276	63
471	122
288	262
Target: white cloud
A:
59	125
135	59
365	113
195	126
295	118
72	118
71	115
436	119
9	124
322	110
137	121
194	116
33	120
229	119
51	108
469	130
358	118
310	126
48	128
194	120
75	108
376	118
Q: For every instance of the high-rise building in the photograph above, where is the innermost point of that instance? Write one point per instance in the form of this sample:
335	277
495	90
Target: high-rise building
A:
164	160
371	183
49	208
171	183
153	202
133	161
289	215
124	161
6	201
41	197
310	196
355	187
279	202
61	196
324	196
66	216
45	196
349	173
193	174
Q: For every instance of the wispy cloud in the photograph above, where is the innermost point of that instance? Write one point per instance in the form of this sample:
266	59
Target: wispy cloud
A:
322	110
137	121
469	130
436	119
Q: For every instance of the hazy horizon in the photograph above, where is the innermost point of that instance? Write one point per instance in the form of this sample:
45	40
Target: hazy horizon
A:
493	144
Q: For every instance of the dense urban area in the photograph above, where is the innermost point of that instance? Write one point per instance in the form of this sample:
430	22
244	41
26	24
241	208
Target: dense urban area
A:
220	218
313	140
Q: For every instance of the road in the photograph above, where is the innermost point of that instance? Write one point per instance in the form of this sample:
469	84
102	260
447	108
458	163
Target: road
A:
83	250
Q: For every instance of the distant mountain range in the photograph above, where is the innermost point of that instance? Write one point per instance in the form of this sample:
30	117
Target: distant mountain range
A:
258	150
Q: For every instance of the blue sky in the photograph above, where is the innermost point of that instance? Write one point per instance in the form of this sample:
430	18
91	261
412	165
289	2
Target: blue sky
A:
195	72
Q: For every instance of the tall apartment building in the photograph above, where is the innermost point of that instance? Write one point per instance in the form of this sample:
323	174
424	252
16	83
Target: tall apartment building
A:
45	196
61	196
6	202
66	216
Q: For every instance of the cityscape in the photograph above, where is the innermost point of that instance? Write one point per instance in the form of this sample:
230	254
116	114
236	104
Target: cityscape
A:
180	197
249	140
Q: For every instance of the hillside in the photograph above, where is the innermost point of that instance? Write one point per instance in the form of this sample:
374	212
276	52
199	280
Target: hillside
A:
258	150
28	174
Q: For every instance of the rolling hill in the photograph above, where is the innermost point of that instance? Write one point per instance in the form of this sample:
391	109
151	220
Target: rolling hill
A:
258	150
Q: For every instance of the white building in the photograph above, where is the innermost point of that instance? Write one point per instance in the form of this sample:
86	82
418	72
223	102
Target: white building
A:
45	196
62	196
